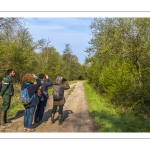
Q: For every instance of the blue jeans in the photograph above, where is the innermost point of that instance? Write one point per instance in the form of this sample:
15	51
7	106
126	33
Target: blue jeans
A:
28	116
40	110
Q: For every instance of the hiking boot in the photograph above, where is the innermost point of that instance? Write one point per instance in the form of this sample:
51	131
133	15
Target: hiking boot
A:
52	118
0	118
44	121
4	125
2	122
59	119
5	118
40	122
31	130
25	130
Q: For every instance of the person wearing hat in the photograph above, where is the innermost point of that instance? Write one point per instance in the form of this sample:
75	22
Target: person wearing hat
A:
64	85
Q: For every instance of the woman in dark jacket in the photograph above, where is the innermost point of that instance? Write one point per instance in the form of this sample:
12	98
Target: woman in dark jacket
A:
64	86
30	108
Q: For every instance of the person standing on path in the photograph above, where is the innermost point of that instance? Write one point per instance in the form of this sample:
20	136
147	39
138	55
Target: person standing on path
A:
6	93
64	85
30	108
43	97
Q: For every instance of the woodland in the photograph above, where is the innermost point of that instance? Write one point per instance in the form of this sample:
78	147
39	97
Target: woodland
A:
117	65
19	51
119	61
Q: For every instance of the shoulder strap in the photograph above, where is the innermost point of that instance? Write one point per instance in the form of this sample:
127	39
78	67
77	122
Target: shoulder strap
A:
5	82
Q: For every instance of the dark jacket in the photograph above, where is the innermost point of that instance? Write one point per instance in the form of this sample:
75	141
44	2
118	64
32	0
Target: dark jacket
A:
7	86
44	91
32	89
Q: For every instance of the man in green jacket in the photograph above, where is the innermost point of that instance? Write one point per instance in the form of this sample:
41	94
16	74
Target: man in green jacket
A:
7	91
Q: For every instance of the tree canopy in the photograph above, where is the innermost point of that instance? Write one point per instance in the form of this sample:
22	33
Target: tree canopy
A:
118	60
19	51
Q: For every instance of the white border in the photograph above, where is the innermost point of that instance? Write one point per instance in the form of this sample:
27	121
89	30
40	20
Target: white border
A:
62	135
71	14
75	5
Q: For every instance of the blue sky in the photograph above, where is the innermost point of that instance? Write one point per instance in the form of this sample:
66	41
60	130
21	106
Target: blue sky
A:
61	31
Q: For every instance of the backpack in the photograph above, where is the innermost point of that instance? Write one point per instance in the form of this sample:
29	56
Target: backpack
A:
57	92
24	96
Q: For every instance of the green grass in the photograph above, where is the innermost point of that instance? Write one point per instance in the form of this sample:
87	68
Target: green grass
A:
50	91
110	119
15	110
16	106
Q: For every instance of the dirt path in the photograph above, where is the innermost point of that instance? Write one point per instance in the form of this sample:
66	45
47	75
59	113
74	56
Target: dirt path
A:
75	114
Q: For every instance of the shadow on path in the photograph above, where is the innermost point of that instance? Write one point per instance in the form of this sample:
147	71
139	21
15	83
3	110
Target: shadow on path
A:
66	114
18	115
45	118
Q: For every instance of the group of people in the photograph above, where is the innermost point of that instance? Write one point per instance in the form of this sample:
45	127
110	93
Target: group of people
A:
37	87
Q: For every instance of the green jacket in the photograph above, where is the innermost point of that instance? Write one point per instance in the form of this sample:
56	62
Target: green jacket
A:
7	86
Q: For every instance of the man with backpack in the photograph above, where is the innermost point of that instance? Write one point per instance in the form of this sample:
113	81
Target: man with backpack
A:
43	97
59	86
7	91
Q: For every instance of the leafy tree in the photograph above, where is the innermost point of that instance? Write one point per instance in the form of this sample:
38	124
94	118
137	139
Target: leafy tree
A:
120	44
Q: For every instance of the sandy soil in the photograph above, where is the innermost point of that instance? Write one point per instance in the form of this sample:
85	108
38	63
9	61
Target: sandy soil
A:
75	116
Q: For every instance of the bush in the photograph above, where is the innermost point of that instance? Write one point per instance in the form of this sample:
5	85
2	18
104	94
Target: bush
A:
119	80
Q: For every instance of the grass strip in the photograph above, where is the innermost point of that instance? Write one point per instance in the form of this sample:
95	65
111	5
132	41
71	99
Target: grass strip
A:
110	119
